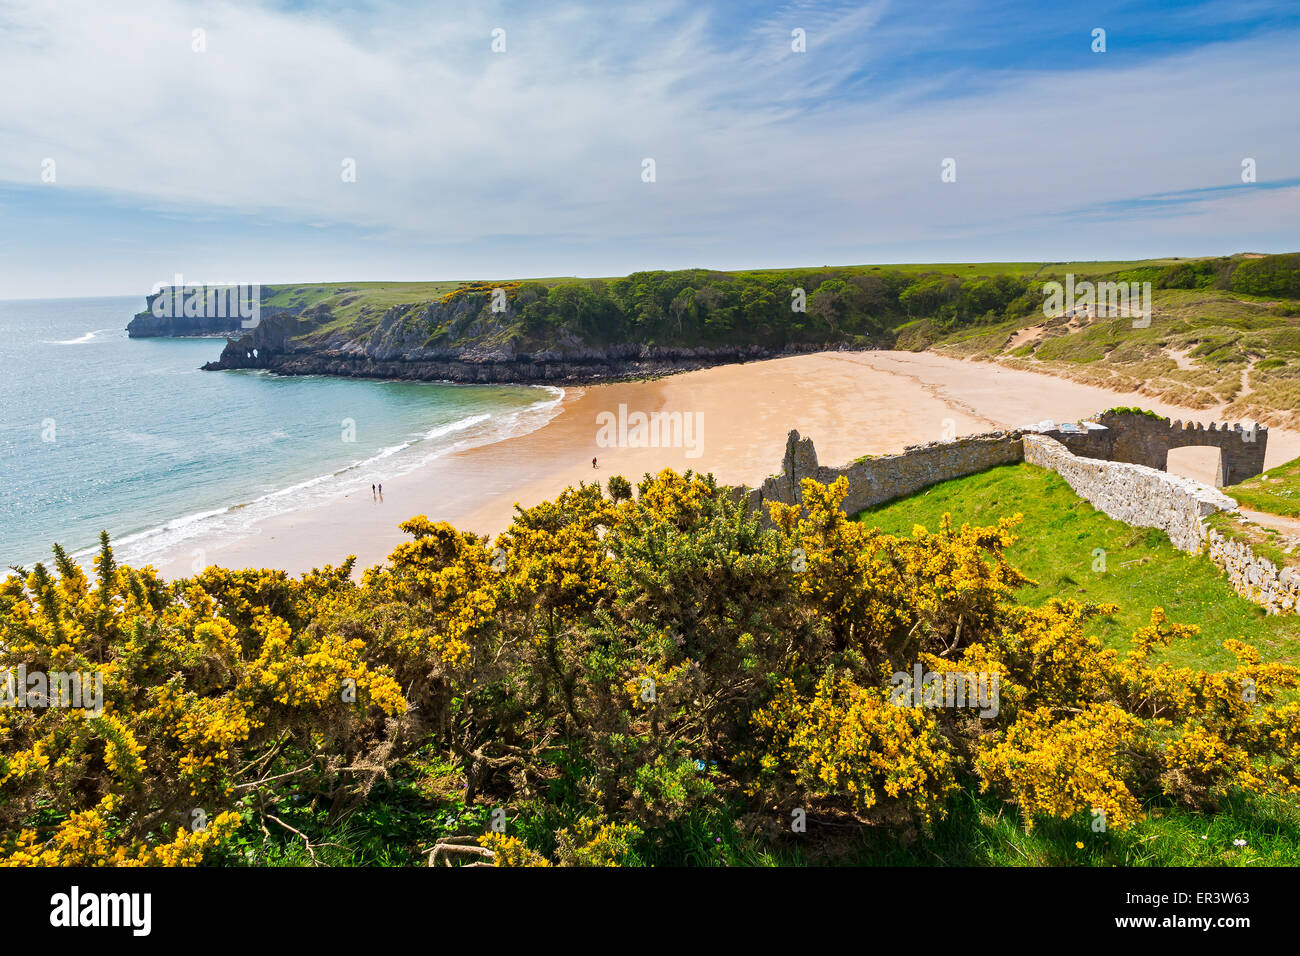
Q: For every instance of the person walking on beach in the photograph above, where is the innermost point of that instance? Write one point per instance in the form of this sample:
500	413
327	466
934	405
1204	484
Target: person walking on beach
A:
593	463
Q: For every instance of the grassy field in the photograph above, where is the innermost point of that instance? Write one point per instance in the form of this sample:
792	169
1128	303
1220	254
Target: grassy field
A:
1276	491
1057	548
968	269
350	302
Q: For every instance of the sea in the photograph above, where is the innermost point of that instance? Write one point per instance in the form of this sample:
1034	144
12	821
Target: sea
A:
99	431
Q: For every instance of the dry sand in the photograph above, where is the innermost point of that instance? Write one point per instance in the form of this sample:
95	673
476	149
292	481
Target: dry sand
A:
849	403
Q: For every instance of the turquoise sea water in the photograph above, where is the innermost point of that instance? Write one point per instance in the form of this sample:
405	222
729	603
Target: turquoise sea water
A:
98	431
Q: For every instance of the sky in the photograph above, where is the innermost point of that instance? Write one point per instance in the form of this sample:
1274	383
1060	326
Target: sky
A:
217	140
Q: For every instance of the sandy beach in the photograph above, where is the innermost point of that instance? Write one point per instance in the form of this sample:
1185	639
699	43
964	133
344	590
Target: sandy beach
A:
849	403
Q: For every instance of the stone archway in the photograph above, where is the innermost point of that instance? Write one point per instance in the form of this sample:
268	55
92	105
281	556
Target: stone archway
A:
1145	438
1204	463
1142	438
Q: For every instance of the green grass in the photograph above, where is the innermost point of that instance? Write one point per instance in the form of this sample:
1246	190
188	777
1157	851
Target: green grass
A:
979	830
349	302
1276	491
1265	542
1056	547
969	269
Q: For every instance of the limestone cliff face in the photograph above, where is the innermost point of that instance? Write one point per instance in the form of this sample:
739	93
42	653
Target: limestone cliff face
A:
458	342
148	325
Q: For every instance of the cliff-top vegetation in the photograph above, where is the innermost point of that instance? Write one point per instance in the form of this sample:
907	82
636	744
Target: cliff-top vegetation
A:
1224	331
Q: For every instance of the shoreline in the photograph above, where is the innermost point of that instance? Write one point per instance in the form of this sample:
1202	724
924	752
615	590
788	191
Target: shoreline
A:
196	531
850	403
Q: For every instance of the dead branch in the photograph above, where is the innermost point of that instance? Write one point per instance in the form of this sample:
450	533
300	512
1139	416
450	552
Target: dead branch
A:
310	849
446	850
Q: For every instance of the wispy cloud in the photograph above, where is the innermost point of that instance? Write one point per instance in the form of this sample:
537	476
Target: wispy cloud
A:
471	162
1179	202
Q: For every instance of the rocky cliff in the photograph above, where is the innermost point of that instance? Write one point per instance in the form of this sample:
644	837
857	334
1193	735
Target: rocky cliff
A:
148	325
270	348
211	319
459	341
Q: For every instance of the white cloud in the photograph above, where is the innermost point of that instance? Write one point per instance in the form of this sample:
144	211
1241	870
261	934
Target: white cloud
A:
754	148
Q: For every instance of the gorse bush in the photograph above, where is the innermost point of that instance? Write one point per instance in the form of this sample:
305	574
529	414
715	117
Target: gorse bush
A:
610	673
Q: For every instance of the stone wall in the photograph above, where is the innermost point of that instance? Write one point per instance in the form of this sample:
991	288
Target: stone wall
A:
1254	577
879	478
1135	494
1141	439
1145	497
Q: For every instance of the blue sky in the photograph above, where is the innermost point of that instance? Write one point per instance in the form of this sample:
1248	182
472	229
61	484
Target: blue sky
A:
224	164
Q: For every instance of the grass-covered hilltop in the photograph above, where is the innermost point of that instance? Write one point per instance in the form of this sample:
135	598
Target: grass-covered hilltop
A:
655	676
1224	330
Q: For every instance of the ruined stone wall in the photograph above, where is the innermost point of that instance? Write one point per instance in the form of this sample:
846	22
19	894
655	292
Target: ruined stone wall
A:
1254	577
1145	440
876	479
1093	441
1135	494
